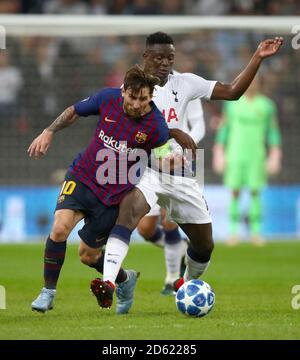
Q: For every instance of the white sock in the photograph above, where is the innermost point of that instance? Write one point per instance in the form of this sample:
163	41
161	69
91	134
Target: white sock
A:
160	242
173	256
115	252
194	269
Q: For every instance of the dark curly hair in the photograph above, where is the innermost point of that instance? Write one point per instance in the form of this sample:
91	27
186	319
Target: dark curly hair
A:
159	38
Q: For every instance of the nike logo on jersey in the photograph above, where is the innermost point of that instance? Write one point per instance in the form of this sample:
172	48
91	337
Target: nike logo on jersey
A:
109	120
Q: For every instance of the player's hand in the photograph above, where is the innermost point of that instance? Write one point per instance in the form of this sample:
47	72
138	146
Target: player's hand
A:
269	47
173	162
184	140
274	161
218	160
41	144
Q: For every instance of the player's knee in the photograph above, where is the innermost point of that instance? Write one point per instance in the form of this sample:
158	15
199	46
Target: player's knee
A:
210	247
204	250
86	259
146	230
207	249
60	231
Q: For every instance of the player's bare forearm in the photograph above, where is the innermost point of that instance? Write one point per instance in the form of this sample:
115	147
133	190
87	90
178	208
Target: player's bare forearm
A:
241	83
41	144
64	120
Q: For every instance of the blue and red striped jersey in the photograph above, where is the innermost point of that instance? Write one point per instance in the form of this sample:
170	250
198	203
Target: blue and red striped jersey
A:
110	164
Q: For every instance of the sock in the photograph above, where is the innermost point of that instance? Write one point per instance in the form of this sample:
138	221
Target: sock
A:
122	275
173	254
54	257
195	266
255	214
157	238
234	215
115	252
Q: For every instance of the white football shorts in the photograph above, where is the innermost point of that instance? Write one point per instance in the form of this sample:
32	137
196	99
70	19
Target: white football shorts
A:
183	199
154	211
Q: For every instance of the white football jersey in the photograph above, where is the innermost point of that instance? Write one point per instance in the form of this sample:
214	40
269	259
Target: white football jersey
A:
172	99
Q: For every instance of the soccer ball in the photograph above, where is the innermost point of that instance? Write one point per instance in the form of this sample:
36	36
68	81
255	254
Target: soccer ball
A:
195	298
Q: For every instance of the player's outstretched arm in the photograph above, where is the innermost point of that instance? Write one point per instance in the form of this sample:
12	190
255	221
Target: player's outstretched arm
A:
241	83
41	144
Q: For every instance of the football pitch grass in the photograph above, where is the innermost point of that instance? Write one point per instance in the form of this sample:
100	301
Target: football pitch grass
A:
253	289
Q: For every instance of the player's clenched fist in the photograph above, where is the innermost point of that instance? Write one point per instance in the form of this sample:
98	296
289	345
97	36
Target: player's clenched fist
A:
40	144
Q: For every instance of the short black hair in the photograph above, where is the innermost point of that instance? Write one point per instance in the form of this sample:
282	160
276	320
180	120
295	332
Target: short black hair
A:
159	38
136	79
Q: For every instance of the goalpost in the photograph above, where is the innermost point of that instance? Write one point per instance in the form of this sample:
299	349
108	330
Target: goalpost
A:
93	25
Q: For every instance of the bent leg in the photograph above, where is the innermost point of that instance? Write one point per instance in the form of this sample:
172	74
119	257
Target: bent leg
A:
132	208
94	257
199	250
150	230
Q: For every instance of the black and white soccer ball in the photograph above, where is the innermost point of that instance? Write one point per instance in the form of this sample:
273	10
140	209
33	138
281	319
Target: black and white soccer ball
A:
195	298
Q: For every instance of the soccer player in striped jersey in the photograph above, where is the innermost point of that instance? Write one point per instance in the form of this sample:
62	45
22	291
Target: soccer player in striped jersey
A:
187	208
129	126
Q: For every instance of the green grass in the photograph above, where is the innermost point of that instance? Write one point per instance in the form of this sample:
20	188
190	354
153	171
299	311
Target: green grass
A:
252	286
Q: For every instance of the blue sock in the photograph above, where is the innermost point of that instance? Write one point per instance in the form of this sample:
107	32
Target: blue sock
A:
172	236
156	236
195	256
53	261
121	232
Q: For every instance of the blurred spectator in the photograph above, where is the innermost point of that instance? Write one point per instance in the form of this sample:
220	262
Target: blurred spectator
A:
75	7
143	7
10	86
98	7
209	7
243	7
10	6
46	54
67	76
116	76
93	71
172	7
32	6
115	49
117	7
134	44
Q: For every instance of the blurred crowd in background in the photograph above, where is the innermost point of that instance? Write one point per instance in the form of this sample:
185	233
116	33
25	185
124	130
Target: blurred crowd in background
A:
41	76
152	7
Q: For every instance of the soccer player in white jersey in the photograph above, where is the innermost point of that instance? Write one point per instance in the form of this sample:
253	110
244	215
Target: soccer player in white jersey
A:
190	212
167	235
